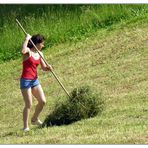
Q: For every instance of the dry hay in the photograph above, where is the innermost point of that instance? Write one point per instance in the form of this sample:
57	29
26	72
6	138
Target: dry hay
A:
83	103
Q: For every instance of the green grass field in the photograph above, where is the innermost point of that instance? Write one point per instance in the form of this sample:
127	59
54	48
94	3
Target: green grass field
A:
112	60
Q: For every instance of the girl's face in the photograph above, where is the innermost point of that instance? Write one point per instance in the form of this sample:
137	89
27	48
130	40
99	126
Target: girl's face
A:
40	45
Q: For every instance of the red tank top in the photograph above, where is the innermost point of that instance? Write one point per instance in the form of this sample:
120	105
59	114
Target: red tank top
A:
30	68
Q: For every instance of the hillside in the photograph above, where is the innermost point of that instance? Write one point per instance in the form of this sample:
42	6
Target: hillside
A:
59	23
112	60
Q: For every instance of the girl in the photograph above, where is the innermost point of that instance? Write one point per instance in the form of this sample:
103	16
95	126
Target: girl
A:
29	82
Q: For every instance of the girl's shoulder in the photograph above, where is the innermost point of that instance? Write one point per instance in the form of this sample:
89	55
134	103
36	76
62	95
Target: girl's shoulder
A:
27	55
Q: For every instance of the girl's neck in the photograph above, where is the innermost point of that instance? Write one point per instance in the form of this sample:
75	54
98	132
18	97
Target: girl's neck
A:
34	50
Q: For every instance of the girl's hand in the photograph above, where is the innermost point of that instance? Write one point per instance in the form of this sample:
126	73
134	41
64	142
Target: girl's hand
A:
49	68
28	37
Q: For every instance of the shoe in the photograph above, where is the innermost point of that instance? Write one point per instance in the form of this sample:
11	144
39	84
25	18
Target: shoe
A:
37	122
26	129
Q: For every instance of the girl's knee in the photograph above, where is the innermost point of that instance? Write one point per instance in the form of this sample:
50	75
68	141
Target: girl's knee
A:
43	102
28	106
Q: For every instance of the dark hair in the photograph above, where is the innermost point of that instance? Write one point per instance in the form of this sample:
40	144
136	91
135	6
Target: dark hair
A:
36	39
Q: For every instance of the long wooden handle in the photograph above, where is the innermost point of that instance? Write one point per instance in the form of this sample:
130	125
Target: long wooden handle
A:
44	60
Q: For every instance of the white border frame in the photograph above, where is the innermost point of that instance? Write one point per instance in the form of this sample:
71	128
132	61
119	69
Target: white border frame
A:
73	1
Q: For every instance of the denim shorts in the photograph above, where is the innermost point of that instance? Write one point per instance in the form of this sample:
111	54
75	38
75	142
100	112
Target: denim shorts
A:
26	83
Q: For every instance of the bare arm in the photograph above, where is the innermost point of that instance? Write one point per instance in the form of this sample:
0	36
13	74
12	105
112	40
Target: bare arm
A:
25	49
44	66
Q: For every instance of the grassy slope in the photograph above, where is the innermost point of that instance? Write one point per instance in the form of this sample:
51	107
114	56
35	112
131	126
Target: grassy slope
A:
113	61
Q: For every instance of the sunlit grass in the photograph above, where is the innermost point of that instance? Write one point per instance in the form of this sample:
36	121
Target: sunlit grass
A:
114	62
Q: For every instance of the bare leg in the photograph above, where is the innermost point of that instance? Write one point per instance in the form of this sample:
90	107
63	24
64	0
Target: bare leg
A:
38	93
28	103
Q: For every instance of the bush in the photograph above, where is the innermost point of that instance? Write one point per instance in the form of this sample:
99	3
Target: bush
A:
83	103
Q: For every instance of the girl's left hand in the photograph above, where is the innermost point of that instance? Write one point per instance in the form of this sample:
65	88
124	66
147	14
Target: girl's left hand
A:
49	68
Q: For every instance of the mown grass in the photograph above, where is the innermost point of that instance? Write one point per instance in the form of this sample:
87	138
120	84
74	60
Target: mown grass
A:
114	61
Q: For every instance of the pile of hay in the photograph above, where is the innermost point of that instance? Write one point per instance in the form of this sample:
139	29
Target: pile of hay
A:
83	103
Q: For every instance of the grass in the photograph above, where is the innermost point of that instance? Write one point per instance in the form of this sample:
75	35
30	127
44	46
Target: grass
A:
84	103
59	23
114	61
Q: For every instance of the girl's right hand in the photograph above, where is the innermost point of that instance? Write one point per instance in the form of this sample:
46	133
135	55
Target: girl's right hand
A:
28	37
